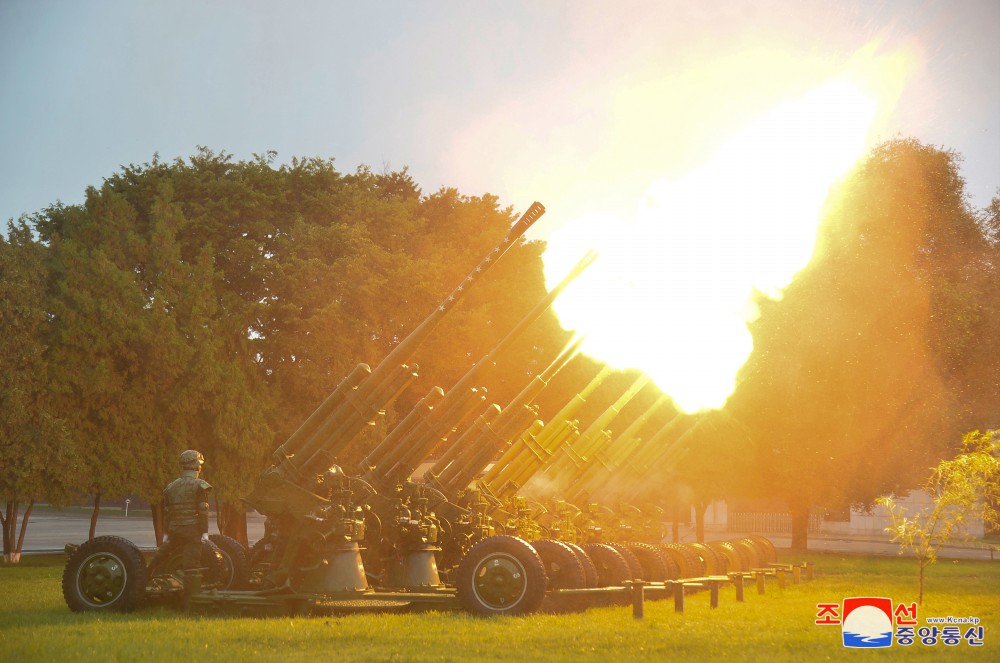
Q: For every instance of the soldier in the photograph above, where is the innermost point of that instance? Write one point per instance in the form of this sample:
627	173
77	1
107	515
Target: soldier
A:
186	504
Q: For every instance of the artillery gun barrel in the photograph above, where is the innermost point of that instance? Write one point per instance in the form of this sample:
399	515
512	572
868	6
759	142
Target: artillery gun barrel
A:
352	405
525	448
425	426
511	422
453	450
565	465
534	449
399	454
668	435
604	464
704	426
575	404
649	457
552	438
588	442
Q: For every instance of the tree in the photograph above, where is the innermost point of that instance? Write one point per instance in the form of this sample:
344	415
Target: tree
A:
980	362
35	460
961	489
212	304
859	374
709	463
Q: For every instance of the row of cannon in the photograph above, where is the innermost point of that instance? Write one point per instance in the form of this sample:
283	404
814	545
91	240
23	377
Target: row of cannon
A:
462	503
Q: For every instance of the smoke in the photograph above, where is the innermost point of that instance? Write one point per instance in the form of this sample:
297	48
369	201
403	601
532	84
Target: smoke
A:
674	287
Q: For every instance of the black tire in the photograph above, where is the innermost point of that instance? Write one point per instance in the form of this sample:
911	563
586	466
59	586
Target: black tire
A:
235	563
733	560
635	570
707	560
654	565
563	570
691	561
501	575
677	558
770	554
748	552
612	569
589	570
759	549
105	574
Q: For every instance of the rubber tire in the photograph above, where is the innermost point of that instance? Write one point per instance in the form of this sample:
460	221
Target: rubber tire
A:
770	554
652	560
113	551
519	562
612	569
635	570
235	562
563	570
712	561
589	570
759	549
680	559
733	560
748	551
739	552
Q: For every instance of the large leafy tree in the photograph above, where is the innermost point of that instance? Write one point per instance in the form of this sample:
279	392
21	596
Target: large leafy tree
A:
36	463
212	304
980	361
863	372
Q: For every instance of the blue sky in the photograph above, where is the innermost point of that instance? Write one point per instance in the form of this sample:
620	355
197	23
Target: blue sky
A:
571	103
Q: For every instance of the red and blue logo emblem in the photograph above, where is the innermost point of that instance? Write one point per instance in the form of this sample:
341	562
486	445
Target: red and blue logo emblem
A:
867	622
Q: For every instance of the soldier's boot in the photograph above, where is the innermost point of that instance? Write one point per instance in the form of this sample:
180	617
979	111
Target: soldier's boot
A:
192	585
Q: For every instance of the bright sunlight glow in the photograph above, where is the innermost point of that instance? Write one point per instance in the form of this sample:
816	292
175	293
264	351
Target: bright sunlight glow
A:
672	291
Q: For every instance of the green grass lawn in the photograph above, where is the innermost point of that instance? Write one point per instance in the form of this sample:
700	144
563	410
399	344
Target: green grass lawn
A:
35	625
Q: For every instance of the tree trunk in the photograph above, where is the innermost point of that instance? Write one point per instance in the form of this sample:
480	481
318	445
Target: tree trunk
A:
232	521
16	557
156	509
95	513
699	521
800	528
920	581
9	507
10	533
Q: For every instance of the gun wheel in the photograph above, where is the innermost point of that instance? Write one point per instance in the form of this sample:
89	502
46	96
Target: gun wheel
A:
235	562
612	569
734	561
768	553
104	574
695	559
711	561
589	570
563	570
635	570
655	564
501	575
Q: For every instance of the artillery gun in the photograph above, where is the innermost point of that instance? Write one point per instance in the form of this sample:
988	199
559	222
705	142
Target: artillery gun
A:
371	538
310	557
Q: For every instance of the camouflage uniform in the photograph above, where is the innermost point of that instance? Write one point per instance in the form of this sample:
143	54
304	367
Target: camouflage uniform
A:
186	513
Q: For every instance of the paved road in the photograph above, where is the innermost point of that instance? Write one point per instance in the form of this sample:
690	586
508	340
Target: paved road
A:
869	545
50	530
